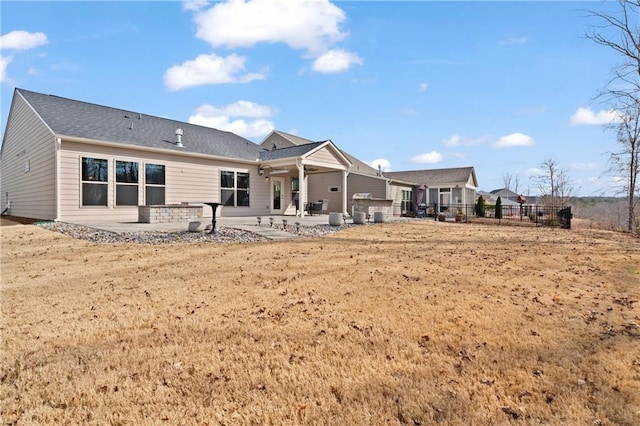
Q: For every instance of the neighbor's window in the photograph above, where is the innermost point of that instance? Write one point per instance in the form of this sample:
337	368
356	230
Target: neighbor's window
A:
95	173
154	188
126	183
234	188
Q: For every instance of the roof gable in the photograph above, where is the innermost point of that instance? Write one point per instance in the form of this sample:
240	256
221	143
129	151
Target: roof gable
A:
77	119
303	152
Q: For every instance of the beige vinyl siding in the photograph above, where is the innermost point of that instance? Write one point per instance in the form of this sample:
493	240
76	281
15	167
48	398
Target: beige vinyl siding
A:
319	185
187	179
324	157
363	183
395	191
358	183
318	189
28	139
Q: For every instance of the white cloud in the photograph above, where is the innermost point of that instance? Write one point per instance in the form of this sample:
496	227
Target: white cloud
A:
515	40
209	69
534	172
22	40
335	60
427	158
514	139
17	40
385	165
4	63
457	140
194	5
308	25
226	118
584	166
311	26
585	116
423	86
408	111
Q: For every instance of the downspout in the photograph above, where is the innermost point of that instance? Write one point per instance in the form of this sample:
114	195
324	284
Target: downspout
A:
345	174
57	185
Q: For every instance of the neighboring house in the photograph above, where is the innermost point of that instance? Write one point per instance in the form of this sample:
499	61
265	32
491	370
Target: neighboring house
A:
441	187
507	194
68	160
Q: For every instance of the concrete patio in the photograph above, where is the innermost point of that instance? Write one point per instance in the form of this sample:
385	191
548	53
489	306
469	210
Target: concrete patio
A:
247	223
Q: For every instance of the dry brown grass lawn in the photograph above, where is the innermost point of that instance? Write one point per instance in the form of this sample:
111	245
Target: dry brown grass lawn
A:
414	323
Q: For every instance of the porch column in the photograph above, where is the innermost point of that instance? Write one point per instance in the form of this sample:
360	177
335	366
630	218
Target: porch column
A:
302	190
345	173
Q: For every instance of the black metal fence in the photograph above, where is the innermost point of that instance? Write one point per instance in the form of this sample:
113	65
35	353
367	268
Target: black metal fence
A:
532	215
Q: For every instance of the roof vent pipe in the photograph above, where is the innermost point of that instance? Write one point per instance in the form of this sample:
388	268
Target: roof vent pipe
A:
179	137
379	170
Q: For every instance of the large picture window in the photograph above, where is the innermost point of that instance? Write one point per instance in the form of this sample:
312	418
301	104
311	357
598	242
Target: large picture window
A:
95	176
234	188
154	184
126	183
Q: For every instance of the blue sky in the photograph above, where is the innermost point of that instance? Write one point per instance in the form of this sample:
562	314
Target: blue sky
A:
410	85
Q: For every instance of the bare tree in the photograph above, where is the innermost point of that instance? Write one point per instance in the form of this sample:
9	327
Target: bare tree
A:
554	184
507	180
622	94
511	182
626	162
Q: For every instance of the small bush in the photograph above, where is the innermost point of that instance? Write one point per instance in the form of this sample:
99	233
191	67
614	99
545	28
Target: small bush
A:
480	208
499	208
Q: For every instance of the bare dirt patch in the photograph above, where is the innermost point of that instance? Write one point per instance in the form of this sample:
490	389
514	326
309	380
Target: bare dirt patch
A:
15	220
412	323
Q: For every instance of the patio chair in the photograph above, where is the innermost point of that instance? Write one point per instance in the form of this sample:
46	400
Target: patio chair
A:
324	208
316	207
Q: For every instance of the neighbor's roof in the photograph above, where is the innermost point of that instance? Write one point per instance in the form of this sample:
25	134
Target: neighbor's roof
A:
67	117
435	177
504	192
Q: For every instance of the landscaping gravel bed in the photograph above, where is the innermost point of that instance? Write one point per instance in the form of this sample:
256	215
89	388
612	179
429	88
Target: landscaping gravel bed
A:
223	234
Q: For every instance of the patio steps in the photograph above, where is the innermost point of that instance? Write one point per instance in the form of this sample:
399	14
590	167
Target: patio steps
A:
267	232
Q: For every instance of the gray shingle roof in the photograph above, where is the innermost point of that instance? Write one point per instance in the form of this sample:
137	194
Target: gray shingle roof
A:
288	152
86	120
296	140
433	177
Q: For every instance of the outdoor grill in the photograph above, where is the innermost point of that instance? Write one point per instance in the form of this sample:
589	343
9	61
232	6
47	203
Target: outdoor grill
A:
362	196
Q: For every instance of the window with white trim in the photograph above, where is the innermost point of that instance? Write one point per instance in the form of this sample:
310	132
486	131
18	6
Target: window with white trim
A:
154	179
126	183
95	181
234	188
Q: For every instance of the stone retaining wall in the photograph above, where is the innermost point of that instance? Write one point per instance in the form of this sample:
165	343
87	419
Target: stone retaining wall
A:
169	213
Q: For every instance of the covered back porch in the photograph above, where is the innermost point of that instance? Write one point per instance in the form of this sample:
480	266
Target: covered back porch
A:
287	171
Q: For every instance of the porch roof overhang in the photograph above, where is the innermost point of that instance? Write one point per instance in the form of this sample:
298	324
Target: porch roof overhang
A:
321	157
